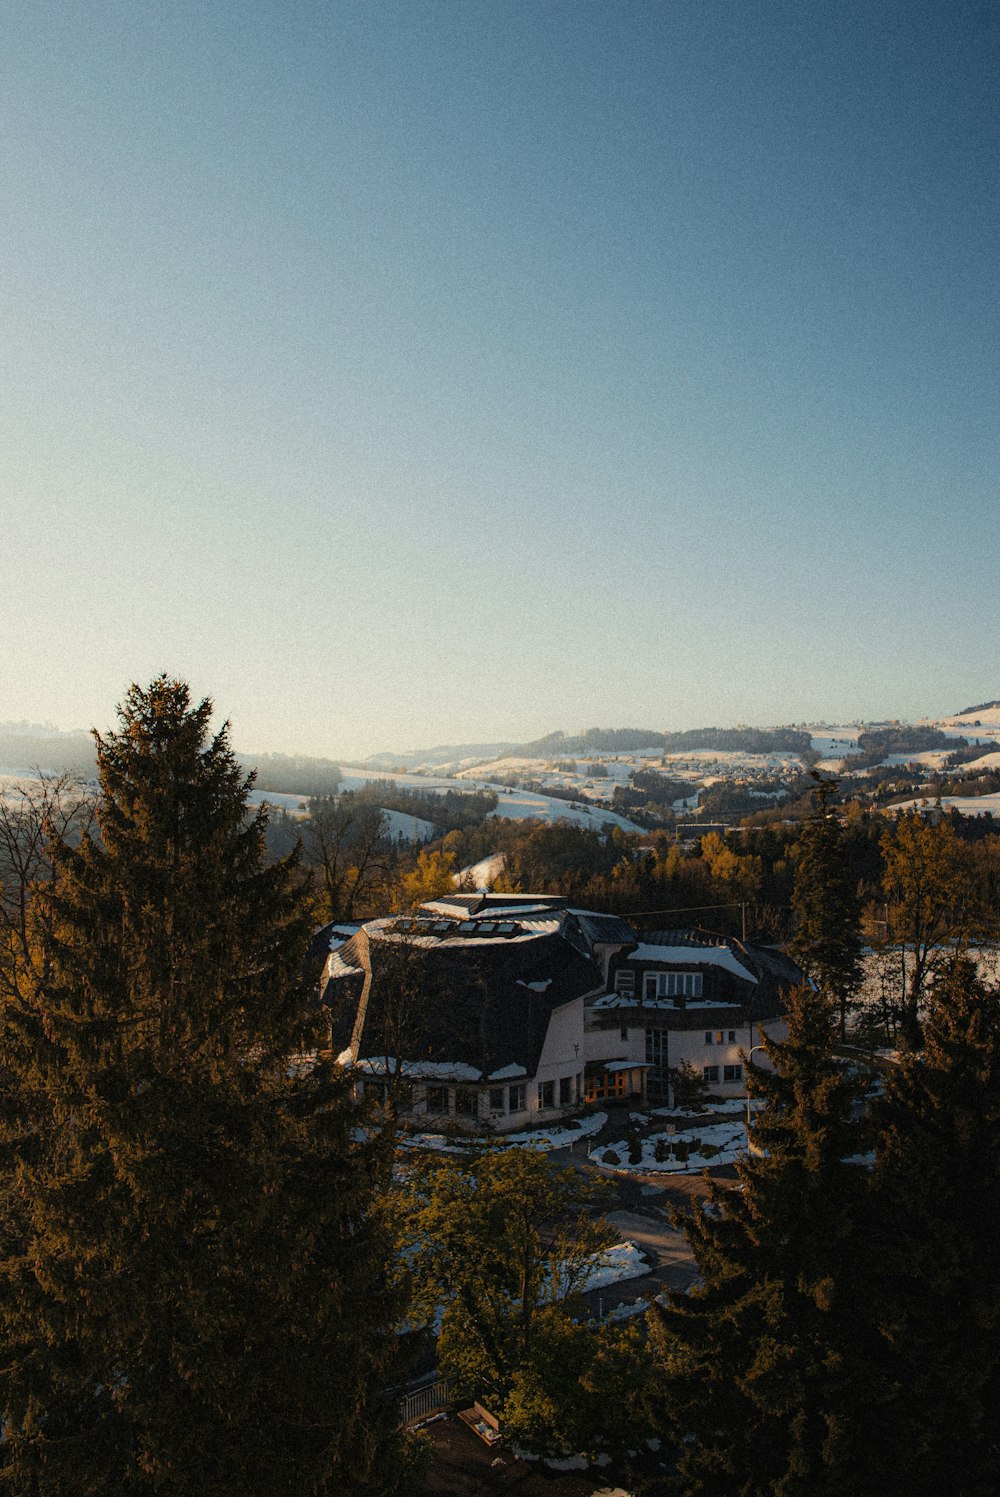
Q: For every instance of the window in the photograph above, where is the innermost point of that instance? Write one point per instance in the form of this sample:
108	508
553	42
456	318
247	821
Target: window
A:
672	985
657	1077
515	1098
437	1099
565	1090
720	1037
732	1036
546	1094
708	1036
623	1032
710	1073
466	1102
496	1099
625	982
732	1073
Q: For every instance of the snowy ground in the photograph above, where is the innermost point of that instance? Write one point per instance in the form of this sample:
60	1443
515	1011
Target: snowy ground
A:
615	1264
516	805
556	1137
965	805
726	1141
835	743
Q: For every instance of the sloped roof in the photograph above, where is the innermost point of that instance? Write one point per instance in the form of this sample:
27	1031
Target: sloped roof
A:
446	1000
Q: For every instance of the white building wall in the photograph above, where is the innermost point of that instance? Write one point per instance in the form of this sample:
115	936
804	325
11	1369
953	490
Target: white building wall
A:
562	1059
609	1044
690	1046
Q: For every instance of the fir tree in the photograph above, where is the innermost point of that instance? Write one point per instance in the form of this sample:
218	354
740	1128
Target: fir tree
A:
938	1273
192	1292
825	900
756	1367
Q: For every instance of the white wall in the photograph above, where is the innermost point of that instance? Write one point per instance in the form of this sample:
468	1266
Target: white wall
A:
563	1054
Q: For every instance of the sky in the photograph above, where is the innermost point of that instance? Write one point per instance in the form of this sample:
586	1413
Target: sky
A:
416	372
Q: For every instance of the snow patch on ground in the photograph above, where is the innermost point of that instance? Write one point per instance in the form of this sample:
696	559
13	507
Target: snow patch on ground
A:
556	1137
965	805
728	1141
623	1261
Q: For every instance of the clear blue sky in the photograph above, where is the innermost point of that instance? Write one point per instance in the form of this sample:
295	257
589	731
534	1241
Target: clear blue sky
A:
402	373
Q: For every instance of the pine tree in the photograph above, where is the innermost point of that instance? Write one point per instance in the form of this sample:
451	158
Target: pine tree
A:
192	1291
938	1272
825	900
756	1367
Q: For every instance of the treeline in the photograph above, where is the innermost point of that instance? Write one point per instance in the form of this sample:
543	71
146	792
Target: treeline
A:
601	740
445	811
741	740
878	743
293	774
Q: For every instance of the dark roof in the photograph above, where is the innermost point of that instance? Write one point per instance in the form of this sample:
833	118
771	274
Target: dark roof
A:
610	930
775	972
484	1003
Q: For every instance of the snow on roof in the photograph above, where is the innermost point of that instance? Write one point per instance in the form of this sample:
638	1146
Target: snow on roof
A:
431	1070
337	967
686	956
677	1005
536	987
507	1073
528	930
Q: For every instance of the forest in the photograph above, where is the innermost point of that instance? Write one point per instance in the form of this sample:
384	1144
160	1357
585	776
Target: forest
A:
212	1261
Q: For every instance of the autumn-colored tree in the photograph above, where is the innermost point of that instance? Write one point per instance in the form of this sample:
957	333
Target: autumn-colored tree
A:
932	905
500	1248
432	877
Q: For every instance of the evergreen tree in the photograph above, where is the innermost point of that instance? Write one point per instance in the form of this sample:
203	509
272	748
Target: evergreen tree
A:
938	1189
192	1292
825	900
757	1366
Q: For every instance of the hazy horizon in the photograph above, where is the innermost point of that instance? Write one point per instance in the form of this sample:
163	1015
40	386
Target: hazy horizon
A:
427	743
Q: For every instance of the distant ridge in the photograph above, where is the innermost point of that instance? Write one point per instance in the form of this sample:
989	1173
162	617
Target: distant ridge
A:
982	707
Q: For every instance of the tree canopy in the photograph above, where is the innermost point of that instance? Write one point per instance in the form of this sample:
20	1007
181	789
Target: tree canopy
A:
192	1284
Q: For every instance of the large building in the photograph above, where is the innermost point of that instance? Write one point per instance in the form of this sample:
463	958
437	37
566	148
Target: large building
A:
503	1010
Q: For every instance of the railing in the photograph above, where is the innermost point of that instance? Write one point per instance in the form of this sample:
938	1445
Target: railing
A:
421	1403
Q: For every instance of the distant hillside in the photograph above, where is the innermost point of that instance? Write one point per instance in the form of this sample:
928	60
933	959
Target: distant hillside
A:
552	746
982	707
33	747
443	753
293	774
30	747
741	740
593	740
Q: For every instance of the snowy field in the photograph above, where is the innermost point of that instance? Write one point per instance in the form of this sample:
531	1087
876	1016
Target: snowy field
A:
835	742
965	805
929	758
514	805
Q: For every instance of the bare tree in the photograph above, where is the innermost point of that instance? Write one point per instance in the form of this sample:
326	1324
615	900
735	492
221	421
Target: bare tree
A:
343	839
32	812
